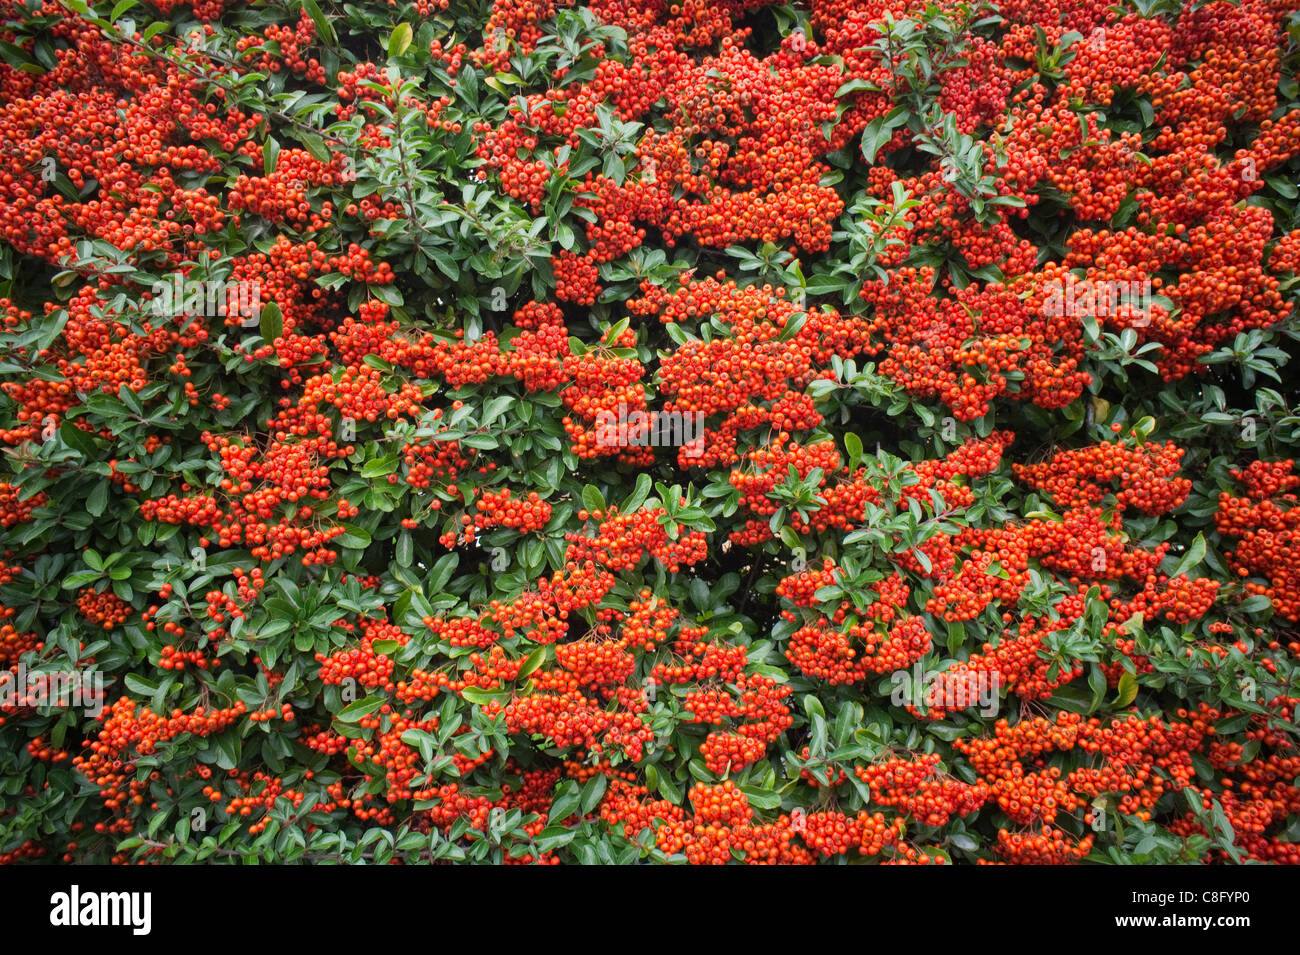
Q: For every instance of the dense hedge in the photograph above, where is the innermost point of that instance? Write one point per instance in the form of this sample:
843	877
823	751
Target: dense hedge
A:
538	431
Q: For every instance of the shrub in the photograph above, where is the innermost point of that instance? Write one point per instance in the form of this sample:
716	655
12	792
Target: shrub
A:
713	431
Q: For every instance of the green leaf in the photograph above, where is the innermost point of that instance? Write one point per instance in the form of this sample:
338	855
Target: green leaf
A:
422	741
355	537
1195	554
813	706
403	553
535	659
272	322
1127	689
639	494
80	579
270	155
77	439
399	40
315	146
566	804
379	467
139	685
853	445
592	792
388	295
496	407
761	798
363	707
880	131
478	695
592	499
97	500
324	29
442	571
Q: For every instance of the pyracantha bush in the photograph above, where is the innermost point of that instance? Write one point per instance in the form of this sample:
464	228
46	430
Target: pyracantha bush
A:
699	431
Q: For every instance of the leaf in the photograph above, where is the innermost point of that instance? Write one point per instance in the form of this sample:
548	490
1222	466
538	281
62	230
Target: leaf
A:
964	842
535	659
80	579
355	537
404	551
399	40
422	741
1255	603
270	155
880	131
442	571
18	58
1195	554
761	798
324	28
379	467
1282	187
1234	724
615	331
272	322
140	686
593	791
228	747
316	146
1127	690
566	804
496	407
364	707
97	500
853	445
956	635
1097	683
638	495
480	696
592	499
813	706
388	295
77	439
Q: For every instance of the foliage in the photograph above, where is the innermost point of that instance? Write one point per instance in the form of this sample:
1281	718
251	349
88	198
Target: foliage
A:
976	540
